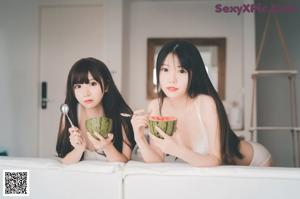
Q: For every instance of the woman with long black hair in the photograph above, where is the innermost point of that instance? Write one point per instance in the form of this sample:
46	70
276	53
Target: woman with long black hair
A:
203	136
91	92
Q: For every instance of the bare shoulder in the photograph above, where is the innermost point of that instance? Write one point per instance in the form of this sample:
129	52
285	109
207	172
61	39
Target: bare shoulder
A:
206	102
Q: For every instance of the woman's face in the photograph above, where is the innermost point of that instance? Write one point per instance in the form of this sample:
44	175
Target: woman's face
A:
88	95
173	77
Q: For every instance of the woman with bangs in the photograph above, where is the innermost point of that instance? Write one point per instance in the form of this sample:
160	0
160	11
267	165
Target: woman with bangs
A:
91	92
203	136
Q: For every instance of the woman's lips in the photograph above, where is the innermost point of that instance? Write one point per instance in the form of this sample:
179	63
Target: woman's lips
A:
88	101
172	89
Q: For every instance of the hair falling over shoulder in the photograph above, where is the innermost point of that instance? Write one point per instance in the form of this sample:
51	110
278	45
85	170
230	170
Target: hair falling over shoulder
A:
199	83
112	101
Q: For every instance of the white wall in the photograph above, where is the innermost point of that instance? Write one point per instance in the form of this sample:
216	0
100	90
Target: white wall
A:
5	93
19	76
18	99
128	25
181	19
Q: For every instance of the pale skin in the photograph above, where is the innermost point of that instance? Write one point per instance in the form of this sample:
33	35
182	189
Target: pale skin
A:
89	97
177	103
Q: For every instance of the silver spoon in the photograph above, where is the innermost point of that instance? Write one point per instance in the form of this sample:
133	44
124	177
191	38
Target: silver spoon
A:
125	114
64	108
130	115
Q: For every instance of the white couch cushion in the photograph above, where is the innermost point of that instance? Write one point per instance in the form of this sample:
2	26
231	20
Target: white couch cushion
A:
51	179
175	168
179	180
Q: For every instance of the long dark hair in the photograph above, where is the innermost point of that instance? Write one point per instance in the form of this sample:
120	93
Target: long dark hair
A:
112	101
199	83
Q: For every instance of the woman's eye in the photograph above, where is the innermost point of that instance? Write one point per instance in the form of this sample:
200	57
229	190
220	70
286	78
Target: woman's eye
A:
77	86
94	83
182	70
164	69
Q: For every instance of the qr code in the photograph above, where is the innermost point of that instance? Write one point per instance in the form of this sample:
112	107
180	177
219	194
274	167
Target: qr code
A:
15	183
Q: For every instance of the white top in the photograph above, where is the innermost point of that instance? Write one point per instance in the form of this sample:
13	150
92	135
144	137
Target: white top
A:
93	155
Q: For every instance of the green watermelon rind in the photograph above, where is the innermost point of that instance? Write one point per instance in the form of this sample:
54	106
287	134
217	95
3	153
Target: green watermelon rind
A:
168	127
100	125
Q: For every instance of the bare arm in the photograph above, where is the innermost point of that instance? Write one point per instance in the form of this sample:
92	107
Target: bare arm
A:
114	155
79	144
148	153
196	159
106	145
72	157
139	122
76	141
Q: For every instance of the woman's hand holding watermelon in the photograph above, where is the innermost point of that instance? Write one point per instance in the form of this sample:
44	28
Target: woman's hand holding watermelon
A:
168	145
100	143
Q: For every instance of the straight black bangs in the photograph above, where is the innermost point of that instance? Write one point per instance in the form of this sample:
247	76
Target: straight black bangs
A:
80	74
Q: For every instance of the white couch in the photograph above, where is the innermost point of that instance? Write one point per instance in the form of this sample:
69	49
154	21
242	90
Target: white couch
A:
136	180
170	180
51	179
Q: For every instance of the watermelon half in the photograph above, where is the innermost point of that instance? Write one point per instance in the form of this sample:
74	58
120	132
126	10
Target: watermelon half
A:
167	124
100	125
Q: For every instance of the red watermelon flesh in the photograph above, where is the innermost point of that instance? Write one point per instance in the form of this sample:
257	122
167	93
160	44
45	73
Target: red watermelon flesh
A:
165	123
